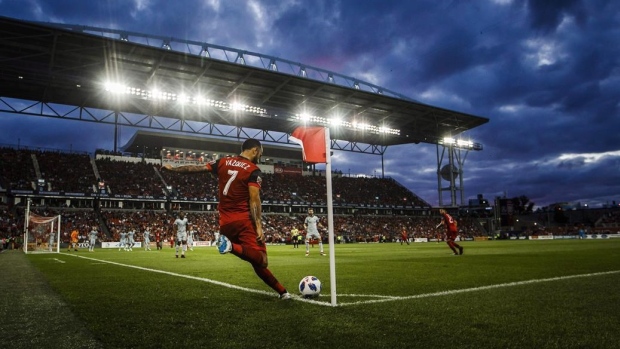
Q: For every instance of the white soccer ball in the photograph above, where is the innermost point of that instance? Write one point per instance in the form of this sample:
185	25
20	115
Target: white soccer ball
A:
310	287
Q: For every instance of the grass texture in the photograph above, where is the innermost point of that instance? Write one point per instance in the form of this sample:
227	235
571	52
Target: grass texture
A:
499	294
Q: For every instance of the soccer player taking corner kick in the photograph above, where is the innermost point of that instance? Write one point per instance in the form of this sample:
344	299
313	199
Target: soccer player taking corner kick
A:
241	230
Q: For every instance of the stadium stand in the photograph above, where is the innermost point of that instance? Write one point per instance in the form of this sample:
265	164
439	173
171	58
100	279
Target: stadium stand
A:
67	172
130	178
16	169
372	216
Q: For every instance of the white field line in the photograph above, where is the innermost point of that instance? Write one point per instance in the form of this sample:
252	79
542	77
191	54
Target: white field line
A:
481	288
381	298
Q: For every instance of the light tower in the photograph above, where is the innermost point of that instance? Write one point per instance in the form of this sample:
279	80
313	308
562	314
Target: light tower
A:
454	152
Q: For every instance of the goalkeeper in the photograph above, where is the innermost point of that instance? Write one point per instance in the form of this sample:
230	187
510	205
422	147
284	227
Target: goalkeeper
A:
74	240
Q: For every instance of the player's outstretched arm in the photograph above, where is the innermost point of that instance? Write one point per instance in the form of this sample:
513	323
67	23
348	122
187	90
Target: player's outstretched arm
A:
185	168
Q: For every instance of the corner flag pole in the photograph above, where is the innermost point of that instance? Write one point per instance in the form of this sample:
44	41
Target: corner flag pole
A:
26	226
330	218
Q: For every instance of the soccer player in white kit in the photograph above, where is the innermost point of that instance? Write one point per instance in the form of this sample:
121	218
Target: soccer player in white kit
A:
130	238
180	228
92	238
123	242
190	238
311	224
146	237
50	244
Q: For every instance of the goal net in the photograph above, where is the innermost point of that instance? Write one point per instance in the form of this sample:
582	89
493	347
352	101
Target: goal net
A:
42	234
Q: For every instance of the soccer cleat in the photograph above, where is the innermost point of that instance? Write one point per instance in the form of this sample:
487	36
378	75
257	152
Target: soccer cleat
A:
223	244
307	254
285	296
461	250
322	254
176	256
182	256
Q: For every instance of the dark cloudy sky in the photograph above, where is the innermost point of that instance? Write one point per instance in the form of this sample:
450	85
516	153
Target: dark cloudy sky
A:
546	73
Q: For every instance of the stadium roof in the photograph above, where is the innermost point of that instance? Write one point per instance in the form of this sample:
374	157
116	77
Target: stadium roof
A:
157	140
72	65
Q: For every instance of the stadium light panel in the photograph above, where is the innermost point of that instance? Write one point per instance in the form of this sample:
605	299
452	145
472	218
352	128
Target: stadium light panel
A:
449	141
157	94
460	143
115	87
463	143
183	99
338	122
237	106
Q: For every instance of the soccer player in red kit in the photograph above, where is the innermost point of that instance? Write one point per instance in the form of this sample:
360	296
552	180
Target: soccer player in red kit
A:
451	231
404	237
158	243
241	230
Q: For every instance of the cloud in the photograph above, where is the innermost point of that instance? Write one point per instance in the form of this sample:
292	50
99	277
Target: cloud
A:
546	74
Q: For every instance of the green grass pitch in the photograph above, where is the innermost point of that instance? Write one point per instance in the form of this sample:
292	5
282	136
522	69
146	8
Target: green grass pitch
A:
499	294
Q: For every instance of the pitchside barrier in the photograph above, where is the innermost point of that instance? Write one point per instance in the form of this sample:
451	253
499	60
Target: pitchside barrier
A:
563	237
116	244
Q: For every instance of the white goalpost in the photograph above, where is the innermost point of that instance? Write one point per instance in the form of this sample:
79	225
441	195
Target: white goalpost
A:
41	234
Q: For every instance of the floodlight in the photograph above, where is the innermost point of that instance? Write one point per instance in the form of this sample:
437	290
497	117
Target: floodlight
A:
449	141
237	106
337	121
115	87
183	99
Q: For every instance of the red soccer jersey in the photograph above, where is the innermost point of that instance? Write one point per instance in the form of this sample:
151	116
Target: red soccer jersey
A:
235	175
450	223
403	235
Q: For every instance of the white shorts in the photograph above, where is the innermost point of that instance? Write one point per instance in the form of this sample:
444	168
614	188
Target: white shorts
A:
313	235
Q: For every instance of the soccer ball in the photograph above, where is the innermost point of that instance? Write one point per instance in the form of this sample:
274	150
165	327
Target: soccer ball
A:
310	287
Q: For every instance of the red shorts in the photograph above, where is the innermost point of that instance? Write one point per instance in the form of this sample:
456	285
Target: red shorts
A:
242	233
451	235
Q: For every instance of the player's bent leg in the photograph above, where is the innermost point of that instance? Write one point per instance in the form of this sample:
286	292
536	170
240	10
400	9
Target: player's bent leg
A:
270	280
452	247
257	258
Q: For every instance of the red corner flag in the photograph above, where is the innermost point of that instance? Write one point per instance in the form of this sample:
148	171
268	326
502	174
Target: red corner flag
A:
312	141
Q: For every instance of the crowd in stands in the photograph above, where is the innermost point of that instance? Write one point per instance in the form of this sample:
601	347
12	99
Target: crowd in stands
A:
74	173
16	169
130	178
610	219
67	172
277	227
199	185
